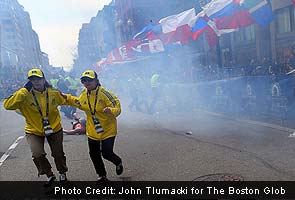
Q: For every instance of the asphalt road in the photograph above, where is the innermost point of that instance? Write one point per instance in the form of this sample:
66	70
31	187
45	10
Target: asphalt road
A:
12	126
166	147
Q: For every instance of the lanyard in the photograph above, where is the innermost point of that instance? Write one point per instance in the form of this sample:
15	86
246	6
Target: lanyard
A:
95	101
38	105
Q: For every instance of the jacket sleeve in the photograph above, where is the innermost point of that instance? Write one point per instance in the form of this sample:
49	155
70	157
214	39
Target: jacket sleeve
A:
72	100
112	102
15	101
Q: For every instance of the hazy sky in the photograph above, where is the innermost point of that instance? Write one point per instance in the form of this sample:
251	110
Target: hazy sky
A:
57	22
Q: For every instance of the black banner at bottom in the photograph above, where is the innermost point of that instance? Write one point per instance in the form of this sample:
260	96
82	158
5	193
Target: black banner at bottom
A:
149	190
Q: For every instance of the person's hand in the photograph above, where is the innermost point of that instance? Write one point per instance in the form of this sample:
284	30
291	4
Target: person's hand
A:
107	110
28	85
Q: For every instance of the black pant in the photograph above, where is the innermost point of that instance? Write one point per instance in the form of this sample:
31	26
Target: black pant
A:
102	148
156	92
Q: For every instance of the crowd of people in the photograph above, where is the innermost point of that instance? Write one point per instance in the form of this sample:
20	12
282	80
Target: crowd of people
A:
199	73
8	86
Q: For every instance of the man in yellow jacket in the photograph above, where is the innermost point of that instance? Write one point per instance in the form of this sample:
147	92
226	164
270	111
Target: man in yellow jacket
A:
38	102
101	107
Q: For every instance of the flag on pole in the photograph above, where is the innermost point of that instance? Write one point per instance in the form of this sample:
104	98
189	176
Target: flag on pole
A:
228	14
200	25
260	10
182	34
170	23
177	28
241	18
207	26
143	31
151	44
220	8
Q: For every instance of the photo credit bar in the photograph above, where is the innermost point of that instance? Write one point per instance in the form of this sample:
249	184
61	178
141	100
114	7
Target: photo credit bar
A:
151	190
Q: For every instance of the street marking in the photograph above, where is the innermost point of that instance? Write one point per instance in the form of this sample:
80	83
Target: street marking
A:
13	146
10	149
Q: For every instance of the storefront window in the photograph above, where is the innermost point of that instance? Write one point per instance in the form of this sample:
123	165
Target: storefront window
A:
237	36
250	33
245	34
284	21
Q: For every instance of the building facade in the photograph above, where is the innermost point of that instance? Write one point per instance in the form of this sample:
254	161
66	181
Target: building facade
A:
117	23
20	47
96	39
283	32
274	43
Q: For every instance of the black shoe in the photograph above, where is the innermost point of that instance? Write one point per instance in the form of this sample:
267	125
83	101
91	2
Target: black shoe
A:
49	181
63	178
102	180
119	169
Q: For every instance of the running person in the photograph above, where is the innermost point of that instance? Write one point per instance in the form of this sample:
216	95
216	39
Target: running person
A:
38	102
101	107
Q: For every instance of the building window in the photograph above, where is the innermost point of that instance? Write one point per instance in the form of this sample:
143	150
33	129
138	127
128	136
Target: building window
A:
6	21
283	22
250	33
11	30
238	36
246	34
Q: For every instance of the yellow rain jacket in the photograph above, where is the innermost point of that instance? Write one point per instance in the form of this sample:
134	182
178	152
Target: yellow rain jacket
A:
24	101
107	121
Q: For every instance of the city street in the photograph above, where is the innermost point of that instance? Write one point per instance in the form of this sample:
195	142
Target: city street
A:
198	92
196	145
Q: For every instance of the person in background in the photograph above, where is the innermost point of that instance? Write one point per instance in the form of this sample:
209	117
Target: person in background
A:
72	89
54	81
38	102
101	107
79	126
62	85
143	93
133	88
156	91
115	86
